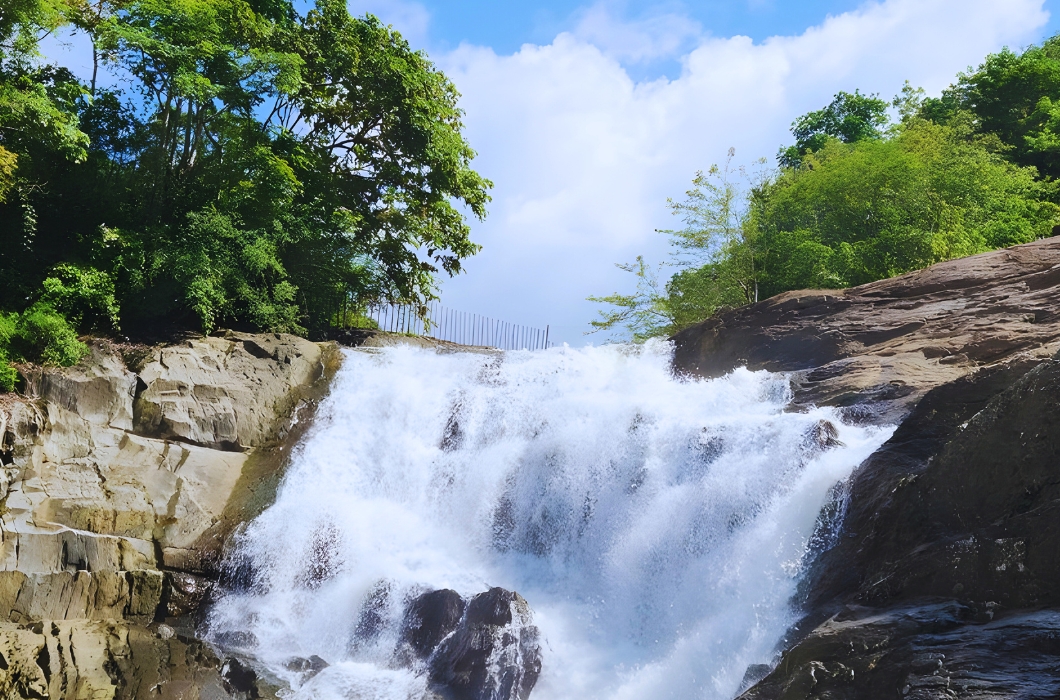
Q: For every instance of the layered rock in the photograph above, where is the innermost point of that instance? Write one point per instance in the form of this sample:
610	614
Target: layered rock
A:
120	485
943	581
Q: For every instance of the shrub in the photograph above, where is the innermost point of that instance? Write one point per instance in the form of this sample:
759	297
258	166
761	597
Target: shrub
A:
84	295
43	335
8	375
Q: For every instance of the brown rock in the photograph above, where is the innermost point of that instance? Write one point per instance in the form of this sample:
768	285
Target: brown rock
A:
889	342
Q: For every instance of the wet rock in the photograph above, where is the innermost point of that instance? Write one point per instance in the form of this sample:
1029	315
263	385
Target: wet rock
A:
307	667
236	639
823	436
185	593
493	654
938	576
239	678
74	660
430	618
376	611
929	651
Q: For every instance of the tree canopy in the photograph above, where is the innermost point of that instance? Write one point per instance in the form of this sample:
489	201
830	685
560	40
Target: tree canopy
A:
258	167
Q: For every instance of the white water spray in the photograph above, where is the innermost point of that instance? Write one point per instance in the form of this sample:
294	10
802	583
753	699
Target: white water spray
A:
656	526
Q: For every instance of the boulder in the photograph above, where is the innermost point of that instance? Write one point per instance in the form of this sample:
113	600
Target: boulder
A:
429	619
224	392
492	653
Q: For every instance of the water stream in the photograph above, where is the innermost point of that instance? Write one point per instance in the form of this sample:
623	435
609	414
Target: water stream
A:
656	526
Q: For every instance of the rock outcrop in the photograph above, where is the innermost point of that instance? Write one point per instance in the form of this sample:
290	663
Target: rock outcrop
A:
943	581
890	342
122	478
485	648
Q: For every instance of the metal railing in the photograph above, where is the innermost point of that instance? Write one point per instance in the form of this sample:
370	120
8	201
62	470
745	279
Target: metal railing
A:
443	323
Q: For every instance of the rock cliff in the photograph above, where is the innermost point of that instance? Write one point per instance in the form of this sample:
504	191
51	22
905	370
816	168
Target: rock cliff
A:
943	580
122	478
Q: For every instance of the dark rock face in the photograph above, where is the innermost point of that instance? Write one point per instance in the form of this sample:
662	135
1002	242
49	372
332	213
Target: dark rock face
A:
922	652
239	678
891	341
185	593
944	577
430	619
482	649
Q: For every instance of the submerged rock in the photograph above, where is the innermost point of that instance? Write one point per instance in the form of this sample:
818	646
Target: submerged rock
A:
307	667
429	619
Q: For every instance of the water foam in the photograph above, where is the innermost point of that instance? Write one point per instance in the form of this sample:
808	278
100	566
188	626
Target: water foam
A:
657	526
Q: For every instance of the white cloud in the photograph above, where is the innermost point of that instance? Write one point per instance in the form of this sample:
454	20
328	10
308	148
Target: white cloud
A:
584	157
659	35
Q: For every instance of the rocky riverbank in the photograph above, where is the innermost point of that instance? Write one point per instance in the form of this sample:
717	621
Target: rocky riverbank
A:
943	580
122	478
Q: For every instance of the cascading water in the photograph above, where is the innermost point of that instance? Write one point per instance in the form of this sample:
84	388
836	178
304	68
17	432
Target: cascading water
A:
657	526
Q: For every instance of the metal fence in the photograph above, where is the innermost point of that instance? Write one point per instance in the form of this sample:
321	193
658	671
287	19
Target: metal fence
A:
455	326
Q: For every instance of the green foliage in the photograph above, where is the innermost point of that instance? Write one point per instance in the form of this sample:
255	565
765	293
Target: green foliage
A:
43	335
848	118
1013	97
83	295
8	374
262	167
39	334
717	249
642	315
36	104
226	271
854	213
856	201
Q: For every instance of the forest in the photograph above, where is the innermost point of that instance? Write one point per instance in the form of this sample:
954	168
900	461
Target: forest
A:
870	189
251	167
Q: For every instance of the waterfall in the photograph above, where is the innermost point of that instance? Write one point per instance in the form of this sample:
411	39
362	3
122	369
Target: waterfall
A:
657	526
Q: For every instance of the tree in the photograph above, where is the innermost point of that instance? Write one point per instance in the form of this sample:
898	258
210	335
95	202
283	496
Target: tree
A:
1013	97
716	254
35	102
262	167
641	315
862	204
849	118
854	213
